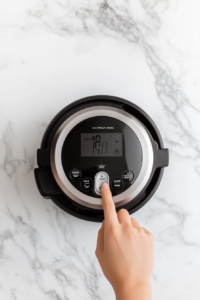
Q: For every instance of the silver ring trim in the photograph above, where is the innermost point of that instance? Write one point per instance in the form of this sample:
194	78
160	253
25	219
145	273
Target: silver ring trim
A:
69	124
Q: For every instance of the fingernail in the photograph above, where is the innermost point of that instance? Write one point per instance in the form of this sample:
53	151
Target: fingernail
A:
105	186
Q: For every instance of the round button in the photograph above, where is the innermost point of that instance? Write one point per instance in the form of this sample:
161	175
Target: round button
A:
99	179
87	184
127	176
117	184
75	174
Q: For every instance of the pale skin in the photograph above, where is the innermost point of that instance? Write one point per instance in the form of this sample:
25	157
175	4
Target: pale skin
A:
124	251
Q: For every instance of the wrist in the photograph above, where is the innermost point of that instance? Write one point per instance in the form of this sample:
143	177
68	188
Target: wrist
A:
134	292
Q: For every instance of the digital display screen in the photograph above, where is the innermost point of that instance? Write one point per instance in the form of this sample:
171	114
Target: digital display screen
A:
101	144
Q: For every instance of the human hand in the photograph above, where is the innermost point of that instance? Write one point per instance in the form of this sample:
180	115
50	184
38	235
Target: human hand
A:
124	251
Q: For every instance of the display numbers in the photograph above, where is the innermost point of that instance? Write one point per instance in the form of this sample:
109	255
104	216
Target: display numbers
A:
103	144
99	147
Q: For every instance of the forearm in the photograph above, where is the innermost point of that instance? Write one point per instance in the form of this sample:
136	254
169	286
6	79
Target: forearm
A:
142	292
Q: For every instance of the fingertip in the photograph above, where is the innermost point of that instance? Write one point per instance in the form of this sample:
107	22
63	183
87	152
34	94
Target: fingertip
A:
105	186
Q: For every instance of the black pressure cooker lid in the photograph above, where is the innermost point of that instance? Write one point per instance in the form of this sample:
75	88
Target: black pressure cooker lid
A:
47	180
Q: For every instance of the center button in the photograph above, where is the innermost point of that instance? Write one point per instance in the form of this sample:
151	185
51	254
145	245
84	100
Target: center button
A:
99	179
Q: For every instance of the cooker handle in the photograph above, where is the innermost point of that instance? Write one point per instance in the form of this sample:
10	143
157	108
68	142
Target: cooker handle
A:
46	183
43	157
161	156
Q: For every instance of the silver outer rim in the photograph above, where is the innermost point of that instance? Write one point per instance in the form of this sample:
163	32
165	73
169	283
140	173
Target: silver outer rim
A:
69	124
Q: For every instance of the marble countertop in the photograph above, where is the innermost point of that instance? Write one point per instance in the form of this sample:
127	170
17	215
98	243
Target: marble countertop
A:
55	52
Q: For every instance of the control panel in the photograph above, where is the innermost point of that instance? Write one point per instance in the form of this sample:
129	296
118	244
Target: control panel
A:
88	184
98	150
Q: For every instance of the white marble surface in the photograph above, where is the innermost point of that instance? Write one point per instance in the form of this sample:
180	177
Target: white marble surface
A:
53	52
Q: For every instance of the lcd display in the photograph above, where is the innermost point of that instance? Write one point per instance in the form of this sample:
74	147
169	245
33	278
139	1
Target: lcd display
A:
101	144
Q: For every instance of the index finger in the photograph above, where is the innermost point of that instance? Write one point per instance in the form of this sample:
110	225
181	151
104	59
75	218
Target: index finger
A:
110	214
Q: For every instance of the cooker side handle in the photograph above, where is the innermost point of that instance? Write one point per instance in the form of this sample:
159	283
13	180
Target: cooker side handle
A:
43	157
161	156
46	183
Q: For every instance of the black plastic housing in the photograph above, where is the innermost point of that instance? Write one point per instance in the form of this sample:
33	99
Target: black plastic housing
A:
49	188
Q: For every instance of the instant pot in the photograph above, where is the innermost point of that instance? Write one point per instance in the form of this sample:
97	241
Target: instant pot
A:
95	140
